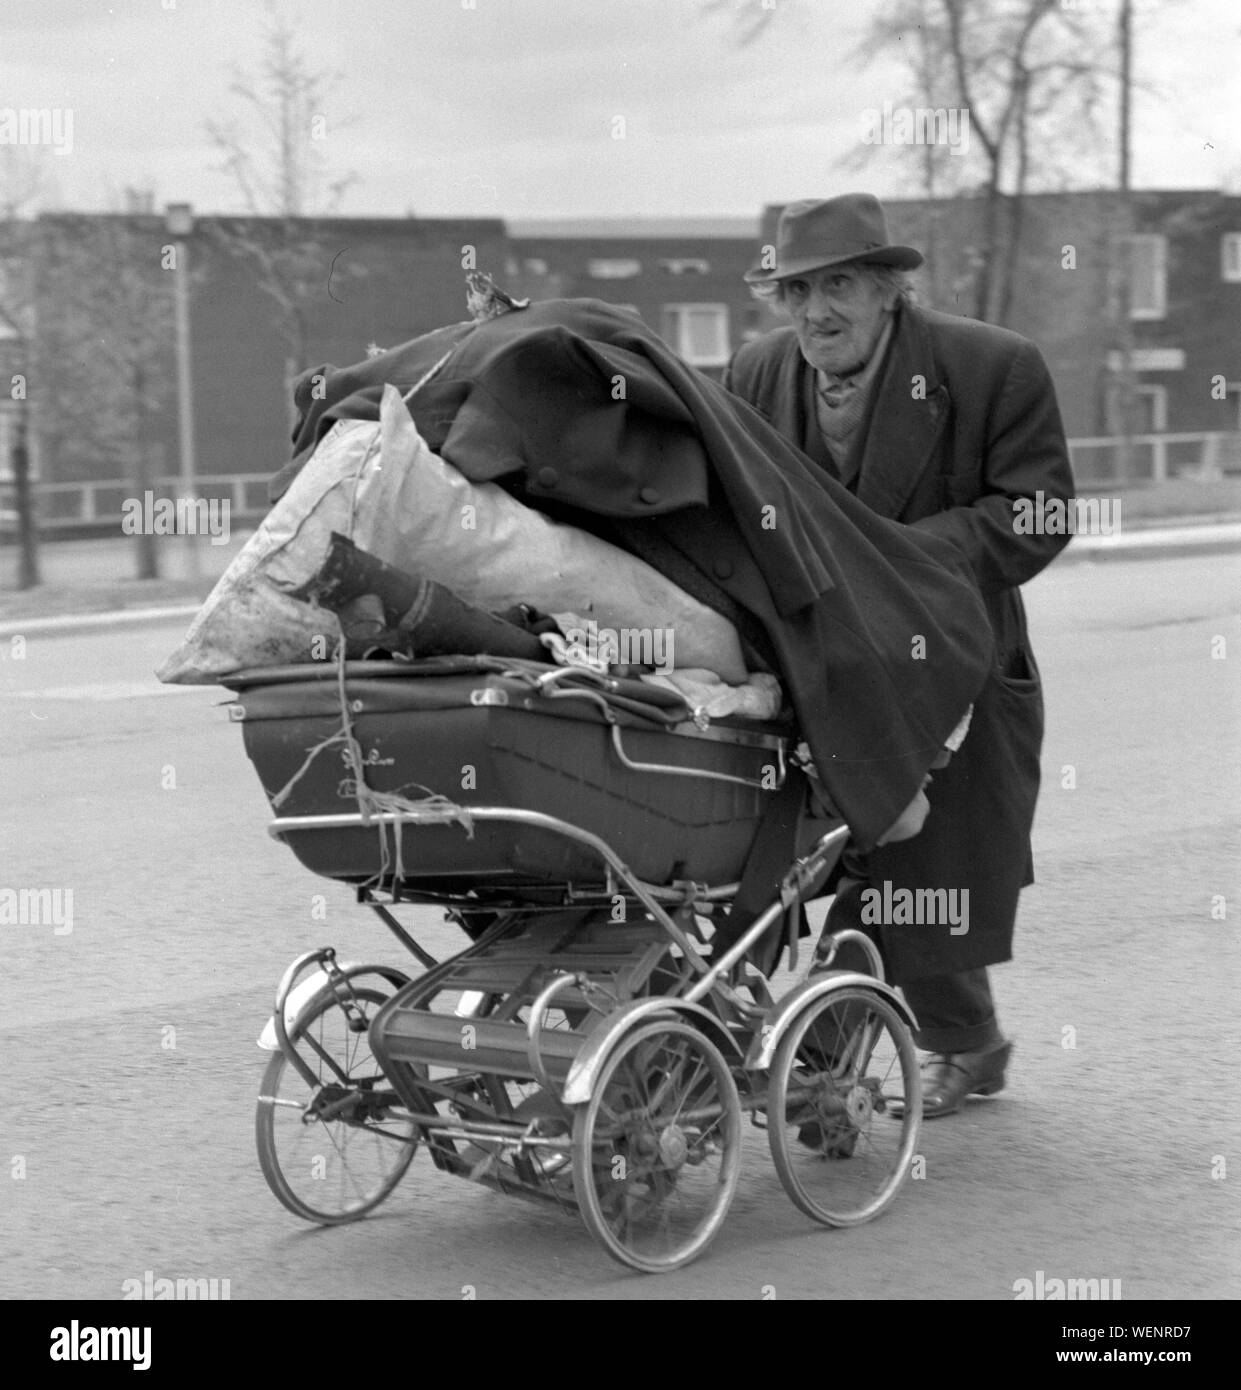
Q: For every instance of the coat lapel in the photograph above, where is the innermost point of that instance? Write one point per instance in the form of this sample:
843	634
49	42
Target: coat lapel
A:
905	425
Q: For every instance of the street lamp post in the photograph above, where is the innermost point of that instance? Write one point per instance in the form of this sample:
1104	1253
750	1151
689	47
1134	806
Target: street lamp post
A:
180	223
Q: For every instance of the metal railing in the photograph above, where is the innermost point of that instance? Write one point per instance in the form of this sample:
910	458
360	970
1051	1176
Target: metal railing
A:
96	504
1153	458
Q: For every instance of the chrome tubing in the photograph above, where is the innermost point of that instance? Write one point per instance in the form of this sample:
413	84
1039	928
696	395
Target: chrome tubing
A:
452	815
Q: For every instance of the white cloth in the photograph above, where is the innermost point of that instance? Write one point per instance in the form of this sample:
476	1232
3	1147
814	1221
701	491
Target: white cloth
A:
760	697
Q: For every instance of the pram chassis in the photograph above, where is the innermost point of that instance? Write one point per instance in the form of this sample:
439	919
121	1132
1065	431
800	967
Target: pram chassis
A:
717	1015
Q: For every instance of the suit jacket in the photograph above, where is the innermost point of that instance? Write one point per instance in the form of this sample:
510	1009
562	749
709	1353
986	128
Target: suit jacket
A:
963	423
582	411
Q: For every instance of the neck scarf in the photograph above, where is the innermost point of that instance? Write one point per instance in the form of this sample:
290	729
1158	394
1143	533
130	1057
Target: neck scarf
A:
841	403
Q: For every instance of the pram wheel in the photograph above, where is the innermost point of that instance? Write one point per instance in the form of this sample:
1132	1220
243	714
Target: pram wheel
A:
657	1148
840	1074
334	1154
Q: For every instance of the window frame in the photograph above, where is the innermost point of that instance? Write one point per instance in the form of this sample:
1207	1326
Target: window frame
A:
613	268
677	312
1159	309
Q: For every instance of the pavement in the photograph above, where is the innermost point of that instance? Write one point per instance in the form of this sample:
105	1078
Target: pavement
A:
71	567
131	1071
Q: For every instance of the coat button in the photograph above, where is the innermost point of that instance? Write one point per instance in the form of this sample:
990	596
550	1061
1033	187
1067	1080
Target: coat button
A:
723	569
649	495
547	477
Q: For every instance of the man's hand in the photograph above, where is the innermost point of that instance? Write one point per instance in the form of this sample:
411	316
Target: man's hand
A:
910	820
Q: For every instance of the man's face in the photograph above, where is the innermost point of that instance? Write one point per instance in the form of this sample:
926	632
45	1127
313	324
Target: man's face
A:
838	315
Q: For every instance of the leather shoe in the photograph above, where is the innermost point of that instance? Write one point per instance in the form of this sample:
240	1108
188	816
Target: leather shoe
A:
948	1077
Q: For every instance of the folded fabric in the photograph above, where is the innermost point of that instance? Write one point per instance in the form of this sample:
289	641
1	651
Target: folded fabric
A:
760	697
577	403
382	486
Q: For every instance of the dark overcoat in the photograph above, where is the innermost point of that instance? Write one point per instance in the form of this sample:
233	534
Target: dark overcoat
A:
581	410
963	424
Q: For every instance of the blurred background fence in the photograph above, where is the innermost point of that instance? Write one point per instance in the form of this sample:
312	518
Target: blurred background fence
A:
82	509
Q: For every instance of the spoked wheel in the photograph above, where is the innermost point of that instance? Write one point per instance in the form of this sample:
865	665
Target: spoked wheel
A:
844	1107
657	1148
332	1154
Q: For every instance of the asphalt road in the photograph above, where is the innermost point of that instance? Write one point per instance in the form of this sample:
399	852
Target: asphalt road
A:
130	1068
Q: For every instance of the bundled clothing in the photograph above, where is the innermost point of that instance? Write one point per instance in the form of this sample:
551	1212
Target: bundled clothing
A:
581	411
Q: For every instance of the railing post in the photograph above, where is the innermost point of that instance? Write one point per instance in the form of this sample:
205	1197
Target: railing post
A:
1159	459
1211	457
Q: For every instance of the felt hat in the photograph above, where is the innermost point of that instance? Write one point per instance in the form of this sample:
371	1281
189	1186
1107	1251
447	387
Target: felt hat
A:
818	233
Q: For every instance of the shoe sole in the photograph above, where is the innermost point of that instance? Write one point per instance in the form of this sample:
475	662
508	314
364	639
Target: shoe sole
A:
984	1088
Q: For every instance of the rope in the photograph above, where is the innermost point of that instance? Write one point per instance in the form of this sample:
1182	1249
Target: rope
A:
372	802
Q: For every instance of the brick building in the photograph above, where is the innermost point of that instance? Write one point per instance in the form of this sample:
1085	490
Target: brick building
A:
682	275
383	281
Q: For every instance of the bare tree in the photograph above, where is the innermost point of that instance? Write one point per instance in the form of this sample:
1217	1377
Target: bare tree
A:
21	184
274	154
106	322
909	27
1029	75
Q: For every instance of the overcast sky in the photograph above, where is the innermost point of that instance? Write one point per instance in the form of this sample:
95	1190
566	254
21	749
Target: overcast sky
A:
508	108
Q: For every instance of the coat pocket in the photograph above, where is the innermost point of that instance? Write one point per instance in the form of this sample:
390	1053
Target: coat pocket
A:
1019	714
1018	671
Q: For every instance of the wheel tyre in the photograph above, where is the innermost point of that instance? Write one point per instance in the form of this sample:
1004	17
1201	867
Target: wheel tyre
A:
650	1076
335	1137
846	1154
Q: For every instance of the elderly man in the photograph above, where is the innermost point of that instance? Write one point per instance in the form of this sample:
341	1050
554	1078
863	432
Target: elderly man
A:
942	423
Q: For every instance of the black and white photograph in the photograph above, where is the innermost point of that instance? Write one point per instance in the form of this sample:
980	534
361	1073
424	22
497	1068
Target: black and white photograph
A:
620	668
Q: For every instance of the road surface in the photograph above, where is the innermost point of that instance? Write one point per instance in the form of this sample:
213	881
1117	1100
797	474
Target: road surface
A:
128	1041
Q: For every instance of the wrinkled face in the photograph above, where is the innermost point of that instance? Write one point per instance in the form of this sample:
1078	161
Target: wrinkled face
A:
838	314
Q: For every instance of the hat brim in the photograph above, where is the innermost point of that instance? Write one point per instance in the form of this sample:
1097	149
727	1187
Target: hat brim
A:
900	257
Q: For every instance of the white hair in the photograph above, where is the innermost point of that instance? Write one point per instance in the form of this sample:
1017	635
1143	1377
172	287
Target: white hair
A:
887	277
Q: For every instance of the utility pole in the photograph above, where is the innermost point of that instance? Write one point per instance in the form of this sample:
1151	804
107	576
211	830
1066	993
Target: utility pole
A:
27	522
1123	248
180	223
17	319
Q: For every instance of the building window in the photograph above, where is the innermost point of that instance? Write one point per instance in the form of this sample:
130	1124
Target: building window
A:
685	265
11	287
698	333
1148	276
1230	256
618	269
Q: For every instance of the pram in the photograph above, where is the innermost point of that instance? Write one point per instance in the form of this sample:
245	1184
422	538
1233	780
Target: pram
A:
597	1042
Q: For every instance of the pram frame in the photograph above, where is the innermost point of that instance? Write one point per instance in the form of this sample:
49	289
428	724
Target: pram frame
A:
761	1023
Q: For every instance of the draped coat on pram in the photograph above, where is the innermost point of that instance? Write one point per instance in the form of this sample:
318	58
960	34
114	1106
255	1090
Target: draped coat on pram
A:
878	631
